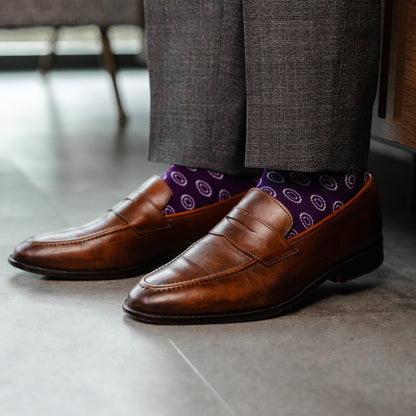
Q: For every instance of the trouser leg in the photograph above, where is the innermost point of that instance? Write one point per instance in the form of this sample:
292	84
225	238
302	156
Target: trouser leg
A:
312	70
308	69
197	78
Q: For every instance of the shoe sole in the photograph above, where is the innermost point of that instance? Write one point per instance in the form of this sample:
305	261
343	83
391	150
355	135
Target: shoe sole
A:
356	266
141	268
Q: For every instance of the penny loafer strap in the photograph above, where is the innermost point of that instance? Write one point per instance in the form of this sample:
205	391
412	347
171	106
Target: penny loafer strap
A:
142	209
254	237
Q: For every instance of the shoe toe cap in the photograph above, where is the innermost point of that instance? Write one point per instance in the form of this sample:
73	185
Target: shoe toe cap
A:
32	252
26	251
144	301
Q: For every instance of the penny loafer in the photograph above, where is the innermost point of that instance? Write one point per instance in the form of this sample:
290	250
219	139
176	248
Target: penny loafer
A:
131	238
245	269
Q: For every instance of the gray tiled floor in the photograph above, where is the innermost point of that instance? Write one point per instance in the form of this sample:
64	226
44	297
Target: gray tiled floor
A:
66	347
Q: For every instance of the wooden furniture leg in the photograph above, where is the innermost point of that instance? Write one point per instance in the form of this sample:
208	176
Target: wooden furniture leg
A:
401	58
112	70
45	62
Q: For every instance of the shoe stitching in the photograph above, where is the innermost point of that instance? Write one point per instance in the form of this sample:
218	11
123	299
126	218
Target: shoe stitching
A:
170	262
280	205
159	211
140	232
88	235
154	289
247	213
273	260
166	225
184	216
183	282
154	180
195	282
81	240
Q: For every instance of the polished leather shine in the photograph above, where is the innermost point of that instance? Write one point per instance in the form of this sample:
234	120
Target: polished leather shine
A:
246	269
132	237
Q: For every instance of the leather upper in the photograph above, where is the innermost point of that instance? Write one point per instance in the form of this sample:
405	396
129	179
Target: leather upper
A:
133	232
245	263
256	222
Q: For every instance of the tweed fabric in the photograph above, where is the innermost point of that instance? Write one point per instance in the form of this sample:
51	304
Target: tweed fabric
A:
279	84
21	13
197	78
312	69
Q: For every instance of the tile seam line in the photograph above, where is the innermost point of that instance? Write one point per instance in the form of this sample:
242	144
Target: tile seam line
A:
202	378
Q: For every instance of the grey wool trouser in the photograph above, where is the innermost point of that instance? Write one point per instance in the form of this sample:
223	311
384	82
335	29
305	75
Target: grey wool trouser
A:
243	84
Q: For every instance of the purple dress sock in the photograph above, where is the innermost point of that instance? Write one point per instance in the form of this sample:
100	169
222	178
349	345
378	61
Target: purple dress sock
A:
310	197
194	188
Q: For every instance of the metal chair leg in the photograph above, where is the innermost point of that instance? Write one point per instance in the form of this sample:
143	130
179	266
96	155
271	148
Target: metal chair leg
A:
45	62
112	70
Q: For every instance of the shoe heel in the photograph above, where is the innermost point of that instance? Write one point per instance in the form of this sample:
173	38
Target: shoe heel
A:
362	263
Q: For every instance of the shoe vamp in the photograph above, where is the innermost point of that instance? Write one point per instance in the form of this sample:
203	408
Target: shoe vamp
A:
211	257
107	223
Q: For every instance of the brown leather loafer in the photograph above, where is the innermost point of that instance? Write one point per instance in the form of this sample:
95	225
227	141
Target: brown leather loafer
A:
245	269
131	238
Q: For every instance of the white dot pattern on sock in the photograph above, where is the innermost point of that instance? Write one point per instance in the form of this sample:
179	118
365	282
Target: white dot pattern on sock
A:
269	190
310	197
292	233
275	177
336	205
179	178
292	195
195	188
203	188
328	182
300	178
306	219
318	202
350	180
216	175
169	210
187	202
224	194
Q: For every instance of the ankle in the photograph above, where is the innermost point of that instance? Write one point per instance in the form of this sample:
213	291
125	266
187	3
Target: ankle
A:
194	188
310	197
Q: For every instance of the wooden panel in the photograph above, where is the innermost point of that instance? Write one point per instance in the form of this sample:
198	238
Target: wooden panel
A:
401	97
